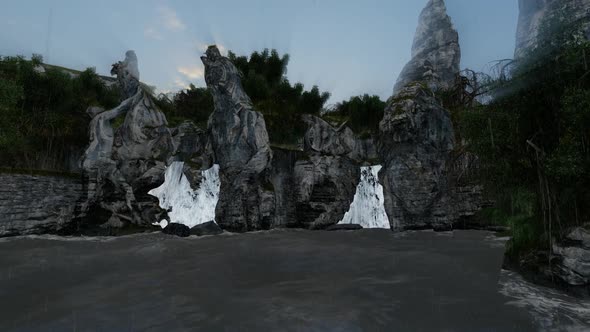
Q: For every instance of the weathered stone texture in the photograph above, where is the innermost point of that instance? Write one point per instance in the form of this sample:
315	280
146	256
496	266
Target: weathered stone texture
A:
436	54
536	15
36	204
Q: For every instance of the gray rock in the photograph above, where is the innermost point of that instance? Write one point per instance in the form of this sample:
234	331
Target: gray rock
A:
417	137
127	72
345	227
121	166
325	189
37	204
436	54
177	229
572	258
315	187
534	14
323	138
208	228
241	147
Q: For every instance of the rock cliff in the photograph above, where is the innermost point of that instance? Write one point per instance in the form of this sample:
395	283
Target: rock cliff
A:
436	54
120	166
536	16
417	138
241	147
37	204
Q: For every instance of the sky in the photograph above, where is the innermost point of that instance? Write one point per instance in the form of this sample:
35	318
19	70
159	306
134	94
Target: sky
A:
347	48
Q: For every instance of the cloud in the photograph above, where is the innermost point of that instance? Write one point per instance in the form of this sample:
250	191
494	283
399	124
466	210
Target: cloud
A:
170	19
153	33
179	83
192	72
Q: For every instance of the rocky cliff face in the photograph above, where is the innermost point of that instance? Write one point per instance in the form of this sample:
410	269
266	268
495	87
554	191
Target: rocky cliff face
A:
121	166
436	54
535	15
36	204
416	140
241	147
315	187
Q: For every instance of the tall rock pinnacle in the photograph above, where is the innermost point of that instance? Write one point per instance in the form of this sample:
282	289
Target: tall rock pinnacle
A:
436	54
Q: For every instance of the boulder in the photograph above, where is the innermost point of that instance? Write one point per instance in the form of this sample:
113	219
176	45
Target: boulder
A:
241	147
571	261
177	229
436	54
208	228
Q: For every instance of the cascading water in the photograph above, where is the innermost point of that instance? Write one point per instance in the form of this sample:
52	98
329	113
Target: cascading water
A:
367	207
187	206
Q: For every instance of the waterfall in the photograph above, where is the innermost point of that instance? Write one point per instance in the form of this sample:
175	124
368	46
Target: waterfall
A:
367	207
185	205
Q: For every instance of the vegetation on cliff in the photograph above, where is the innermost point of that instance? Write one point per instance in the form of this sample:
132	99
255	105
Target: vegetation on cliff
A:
533	143
43	123
42	115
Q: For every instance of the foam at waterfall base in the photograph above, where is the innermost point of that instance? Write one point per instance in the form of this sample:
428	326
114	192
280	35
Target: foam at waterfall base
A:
367	208
185	205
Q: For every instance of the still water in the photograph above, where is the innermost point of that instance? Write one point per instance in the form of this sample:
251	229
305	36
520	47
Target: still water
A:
280	280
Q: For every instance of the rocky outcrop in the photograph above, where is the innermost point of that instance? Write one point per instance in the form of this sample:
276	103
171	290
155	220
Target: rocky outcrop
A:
328	174
241	147
326	185
323	138
179	230
207	228
536	16
120	166
37	204
571	258
436	54
315	187
417	138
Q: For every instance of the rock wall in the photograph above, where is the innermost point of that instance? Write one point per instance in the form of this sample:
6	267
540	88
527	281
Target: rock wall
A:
417	138
241	147
533	14
36	204
436	54
120	166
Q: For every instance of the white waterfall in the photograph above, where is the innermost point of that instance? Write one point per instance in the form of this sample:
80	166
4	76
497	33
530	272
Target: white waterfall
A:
188	206
367	208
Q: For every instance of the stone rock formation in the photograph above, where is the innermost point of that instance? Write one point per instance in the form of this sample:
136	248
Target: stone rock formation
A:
534	14
315	187
241	147
328	175
121	166
37	204
179	230
207	228
323	138
436	54
417	138
572	258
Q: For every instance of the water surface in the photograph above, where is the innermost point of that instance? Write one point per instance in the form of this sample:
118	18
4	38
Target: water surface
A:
281	280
